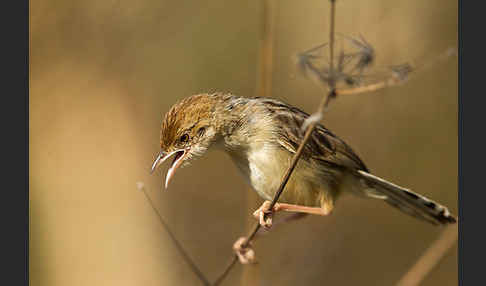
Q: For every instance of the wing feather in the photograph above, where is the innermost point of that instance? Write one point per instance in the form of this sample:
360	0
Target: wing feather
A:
323	147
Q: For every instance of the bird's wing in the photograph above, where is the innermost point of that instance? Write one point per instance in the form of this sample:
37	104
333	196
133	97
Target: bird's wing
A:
323	147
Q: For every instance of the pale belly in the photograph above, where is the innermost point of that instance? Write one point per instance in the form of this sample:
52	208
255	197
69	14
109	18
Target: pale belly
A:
264	169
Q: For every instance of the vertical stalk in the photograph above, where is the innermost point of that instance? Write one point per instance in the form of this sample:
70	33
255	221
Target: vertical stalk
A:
332	80
430	258
322	107
251	274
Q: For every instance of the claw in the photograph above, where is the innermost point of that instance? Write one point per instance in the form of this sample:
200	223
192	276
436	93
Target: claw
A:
264	214
246	255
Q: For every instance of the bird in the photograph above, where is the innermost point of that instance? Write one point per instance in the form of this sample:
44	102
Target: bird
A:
261	135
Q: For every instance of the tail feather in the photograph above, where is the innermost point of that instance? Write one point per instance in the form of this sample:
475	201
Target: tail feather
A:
409	202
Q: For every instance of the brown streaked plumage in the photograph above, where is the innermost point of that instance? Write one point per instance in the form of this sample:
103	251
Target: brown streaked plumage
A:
261	135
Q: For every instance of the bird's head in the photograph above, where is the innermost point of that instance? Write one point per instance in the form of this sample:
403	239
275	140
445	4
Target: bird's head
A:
187	131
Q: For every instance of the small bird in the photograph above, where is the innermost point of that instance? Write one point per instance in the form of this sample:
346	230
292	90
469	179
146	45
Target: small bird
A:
261	135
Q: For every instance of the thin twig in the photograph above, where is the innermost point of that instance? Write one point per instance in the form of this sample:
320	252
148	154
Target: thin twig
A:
399	74
266	56
226	271
332	79
177	244
430	258
322	107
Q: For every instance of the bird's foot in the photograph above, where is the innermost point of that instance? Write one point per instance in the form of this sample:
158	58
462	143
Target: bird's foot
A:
264	214
245	254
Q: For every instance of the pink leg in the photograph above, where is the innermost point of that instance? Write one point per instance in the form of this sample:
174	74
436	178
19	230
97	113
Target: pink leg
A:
246	255
302	209
265	216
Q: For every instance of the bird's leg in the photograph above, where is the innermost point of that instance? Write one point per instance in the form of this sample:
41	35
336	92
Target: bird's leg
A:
246	255
264	215
324	210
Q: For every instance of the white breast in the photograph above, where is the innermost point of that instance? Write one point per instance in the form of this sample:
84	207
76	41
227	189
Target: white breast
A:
259	171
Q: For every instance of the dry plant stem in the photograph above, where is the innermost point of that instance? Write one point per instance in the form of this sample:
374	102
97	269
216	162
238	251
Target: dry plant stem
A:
430	258
266	56
226	270
177	244
394	81
322	107
368	88
332	80
251	275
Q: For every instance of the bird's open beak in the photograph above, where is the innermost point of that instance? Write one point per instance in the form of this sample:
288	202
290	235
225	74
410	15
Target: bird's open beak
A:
178	159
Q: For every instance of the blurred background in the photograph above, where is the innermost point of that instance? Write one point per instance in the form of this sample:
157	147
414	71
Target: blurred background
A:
103	73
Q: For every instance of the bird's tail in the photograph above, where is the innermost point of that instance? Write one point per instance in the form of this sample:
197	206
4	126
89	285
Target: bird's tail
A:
409	202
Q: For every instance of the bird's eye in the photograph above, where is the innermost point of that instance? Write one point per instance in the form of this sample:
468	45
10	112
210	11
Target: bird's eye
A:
184	138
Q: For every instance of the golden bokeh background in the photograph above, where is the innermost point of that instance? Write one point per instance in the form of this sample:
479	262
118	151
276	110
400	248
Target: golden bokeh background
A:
103	73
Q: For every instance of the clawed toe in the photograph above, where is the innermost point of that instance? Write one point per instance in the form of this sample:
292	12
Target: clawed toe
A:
246	255
264	215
